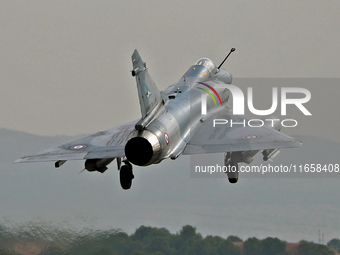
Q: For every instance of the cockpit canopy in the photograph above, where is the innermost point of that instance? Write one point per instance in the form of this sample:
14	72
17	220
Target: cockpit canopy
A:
208	64
204	68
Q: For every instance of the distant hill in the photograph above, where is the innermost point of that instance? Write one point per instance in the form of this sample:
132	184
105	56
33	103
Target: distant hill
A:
15	144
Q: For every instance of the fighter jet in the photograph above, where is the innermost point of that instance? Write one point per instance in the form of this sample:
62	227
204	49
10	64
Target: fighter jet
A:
174	122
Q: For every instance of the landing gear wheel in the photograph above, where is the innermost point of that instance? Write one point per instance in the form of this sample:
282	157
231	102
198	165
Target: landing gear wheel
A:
126	176
232	172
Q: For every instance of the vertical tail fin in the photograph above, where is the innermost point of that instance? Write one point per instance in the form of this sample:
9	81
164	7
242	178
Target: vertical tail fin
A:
149	96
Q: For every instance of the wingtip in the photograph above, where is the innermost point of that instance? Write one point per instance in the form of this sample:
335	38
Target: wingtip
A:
17	161
299	142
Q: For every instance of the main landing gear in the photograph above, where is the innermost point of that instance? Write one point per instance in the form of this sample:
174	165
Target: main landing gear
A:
126	175
231	168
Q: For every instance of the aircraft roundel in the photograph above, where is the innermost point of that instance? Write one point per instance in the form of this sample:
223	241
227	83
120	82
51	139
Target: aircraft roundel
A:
78	147
251	137
166	138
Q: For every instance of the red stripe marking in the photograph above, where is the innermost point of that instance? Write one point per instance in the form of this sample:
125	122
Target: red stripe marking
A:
213	90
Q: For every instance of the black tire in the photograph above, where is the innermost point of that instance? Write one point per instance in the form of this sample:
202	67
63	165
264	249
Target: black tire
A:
233	180
233	176
126	176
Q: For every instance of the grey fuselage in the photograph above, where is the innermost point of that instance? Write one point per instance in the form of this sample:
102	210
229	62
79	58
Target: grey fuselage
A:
168	132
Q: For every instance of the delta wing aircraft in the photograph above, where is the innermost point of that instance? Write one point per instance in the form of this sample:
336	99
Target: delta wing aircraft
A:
172	124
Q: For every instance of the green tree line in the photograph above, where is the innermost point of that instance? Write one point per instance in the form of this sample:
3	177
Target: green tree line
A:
146	240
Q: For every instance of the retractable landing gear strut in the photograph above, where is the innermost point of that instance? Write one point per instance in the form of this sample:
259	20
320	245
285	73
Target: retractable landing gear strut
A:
231	168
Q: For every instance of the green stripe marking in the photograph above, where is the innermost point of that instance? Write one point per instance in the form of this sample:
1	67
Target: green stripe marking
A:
209	94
